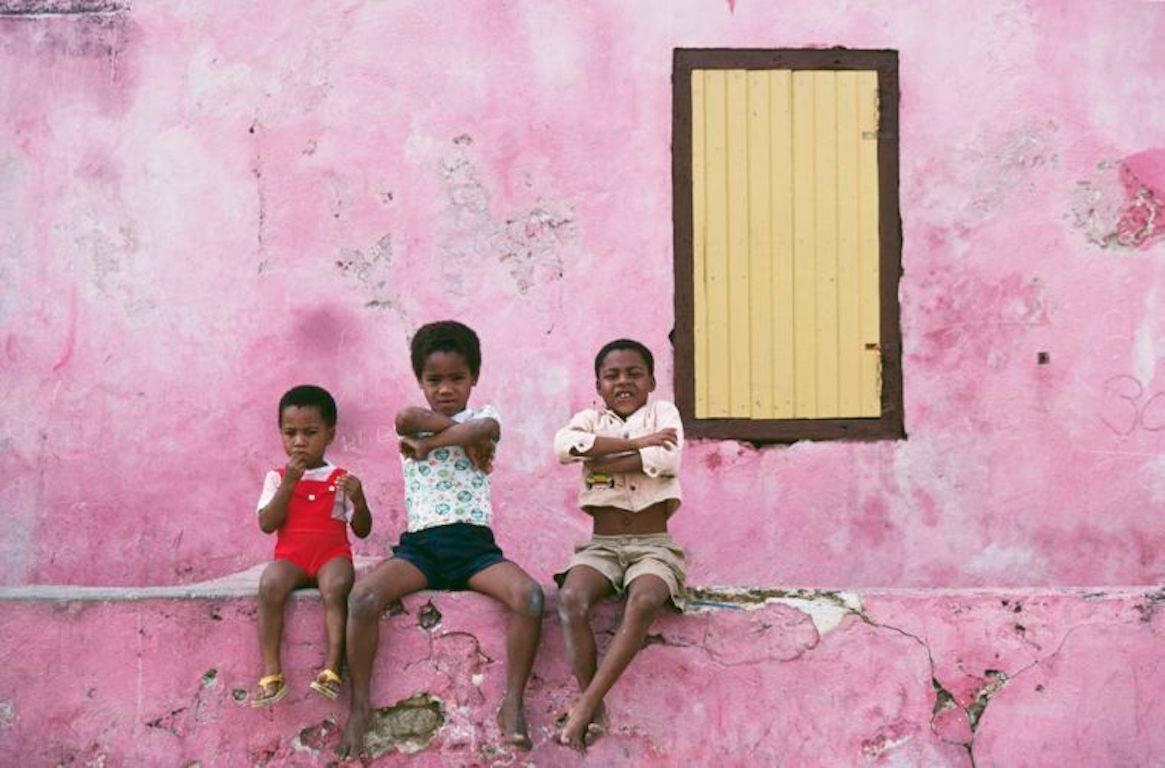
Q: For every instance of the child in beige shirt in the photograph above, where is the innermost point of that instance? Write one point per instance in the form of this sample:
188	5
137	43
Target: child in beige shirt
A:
630	454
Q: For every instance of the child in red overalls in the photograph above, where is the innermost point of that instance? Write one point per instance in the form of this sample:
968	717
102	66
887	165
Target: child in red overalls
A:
308	504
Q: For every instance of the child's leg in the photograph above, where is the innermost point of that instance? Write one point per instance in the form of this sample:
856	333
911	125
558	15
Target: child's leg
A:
584	586
279	578
508	583
335	581
646	594
387	583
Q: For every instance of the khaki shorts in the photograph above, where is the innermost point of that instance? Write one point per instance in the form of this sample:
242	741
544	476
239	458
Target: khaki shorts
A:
624	558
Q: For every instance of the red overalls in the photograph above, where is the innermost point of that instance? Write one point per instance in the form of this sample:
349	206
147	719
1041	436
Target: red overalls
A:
310	536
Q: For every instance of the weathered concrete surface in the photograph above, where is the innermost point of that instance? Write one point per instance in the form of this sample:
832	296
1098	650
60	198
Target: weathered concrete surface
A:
202	203
775	677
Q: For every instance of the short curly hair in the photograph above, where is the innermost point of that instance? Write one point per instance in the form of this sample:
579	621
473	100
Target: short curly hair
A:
446	336
310	396
627	344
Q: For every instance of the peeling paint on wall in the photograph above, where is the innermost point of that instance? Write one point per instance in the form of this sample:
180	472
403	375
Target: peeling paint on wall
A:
372	271
1123	203
527	244
178	200
826	608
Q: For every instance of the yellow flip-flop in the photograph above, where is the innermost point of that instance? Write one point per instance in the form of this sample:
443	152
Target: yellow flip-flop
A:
275	696
327	684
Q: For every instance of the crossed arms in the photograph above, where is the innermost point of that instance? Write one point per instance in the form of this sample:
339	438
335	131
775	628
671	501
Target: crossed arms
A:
423	431
654	454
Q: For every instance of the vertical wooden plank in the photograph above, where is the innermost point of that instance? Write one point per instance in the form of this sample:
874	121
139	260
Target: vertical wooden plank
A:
825	284
869	274
699	248
760	265
781	123
804	253
739	376
849	136
716	239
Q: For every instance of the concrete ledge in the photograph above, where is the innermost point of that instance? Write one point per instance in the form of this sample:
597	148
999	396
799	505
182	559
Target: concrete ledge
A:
154	676
241	584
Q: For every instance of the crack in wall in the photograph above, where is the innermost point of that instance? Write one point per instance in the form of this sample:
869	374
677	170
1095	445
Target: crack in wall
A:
996	680
255	130
827	608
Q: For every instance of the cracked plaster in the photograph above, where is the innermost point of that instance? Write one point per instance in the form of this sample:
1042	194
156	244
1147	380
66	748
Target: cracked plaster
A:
924	676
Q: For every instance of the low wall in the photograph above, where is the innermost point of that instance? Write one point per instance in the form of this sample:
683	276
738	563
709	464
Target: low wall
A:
161	676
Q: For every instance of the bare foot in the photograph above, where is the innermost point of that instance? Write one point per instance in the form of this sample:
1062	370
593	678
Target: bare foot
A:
595	728
352	742
574	731
512	722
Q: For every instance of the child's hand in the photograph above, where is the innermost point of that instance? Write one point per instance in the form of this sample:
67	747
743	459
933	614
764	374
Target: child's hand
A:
481	455
664	438
350	484
416	448
296	466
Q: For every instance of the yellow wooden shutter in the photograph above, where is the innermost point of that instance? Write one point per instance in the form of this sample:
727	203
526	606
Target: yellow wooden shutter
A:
785	244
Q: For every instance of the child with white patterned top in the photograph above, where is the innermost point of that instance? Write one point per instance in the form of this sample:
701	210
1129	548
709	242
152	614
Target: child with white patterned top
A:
447	454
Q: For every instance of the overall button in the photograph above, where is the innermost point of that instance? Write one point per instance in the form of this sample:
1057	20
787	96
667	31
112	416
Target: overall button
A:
331	489
311	497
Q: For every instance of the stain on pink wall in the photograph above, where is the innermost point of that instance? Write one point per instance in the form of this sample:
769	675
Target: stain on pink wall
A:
205	204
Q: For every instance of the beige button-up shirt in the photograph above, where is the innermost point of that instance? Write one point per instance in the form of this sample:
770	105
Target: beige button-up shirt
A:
632	491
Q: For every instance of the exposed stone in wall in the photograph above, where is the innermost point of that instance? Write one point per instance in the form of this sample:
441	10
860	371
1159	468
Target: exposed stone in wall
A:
406	726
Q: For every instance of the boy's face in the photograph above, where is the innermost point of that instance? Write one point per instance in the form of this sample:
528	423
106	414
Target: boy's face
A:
305	434
447	382
624	382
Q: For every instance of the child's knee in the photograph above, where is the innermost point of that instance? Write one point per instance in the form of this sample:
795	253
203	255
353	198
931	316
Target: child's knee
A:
573	604
336	595
644	604
273	591
528	600
364	603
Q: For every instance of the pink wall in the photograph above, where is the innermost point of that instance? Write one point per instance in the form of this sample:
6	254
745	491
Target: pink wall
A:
1027	678
204	204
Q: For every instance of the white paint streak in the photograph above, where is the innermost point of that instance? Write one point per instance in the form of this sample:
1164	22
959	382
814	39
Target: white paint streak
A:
826	614
1153	478
825	609
527	449
1144	349
999	560
419	147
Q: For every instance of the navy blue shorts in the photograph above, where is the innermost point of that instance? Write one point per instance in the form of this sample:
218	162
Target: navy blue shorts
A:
449	555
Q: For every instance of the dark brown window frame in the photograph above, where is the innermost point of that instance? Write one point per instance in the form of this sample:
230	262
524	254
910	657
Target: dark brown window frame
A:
890	425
